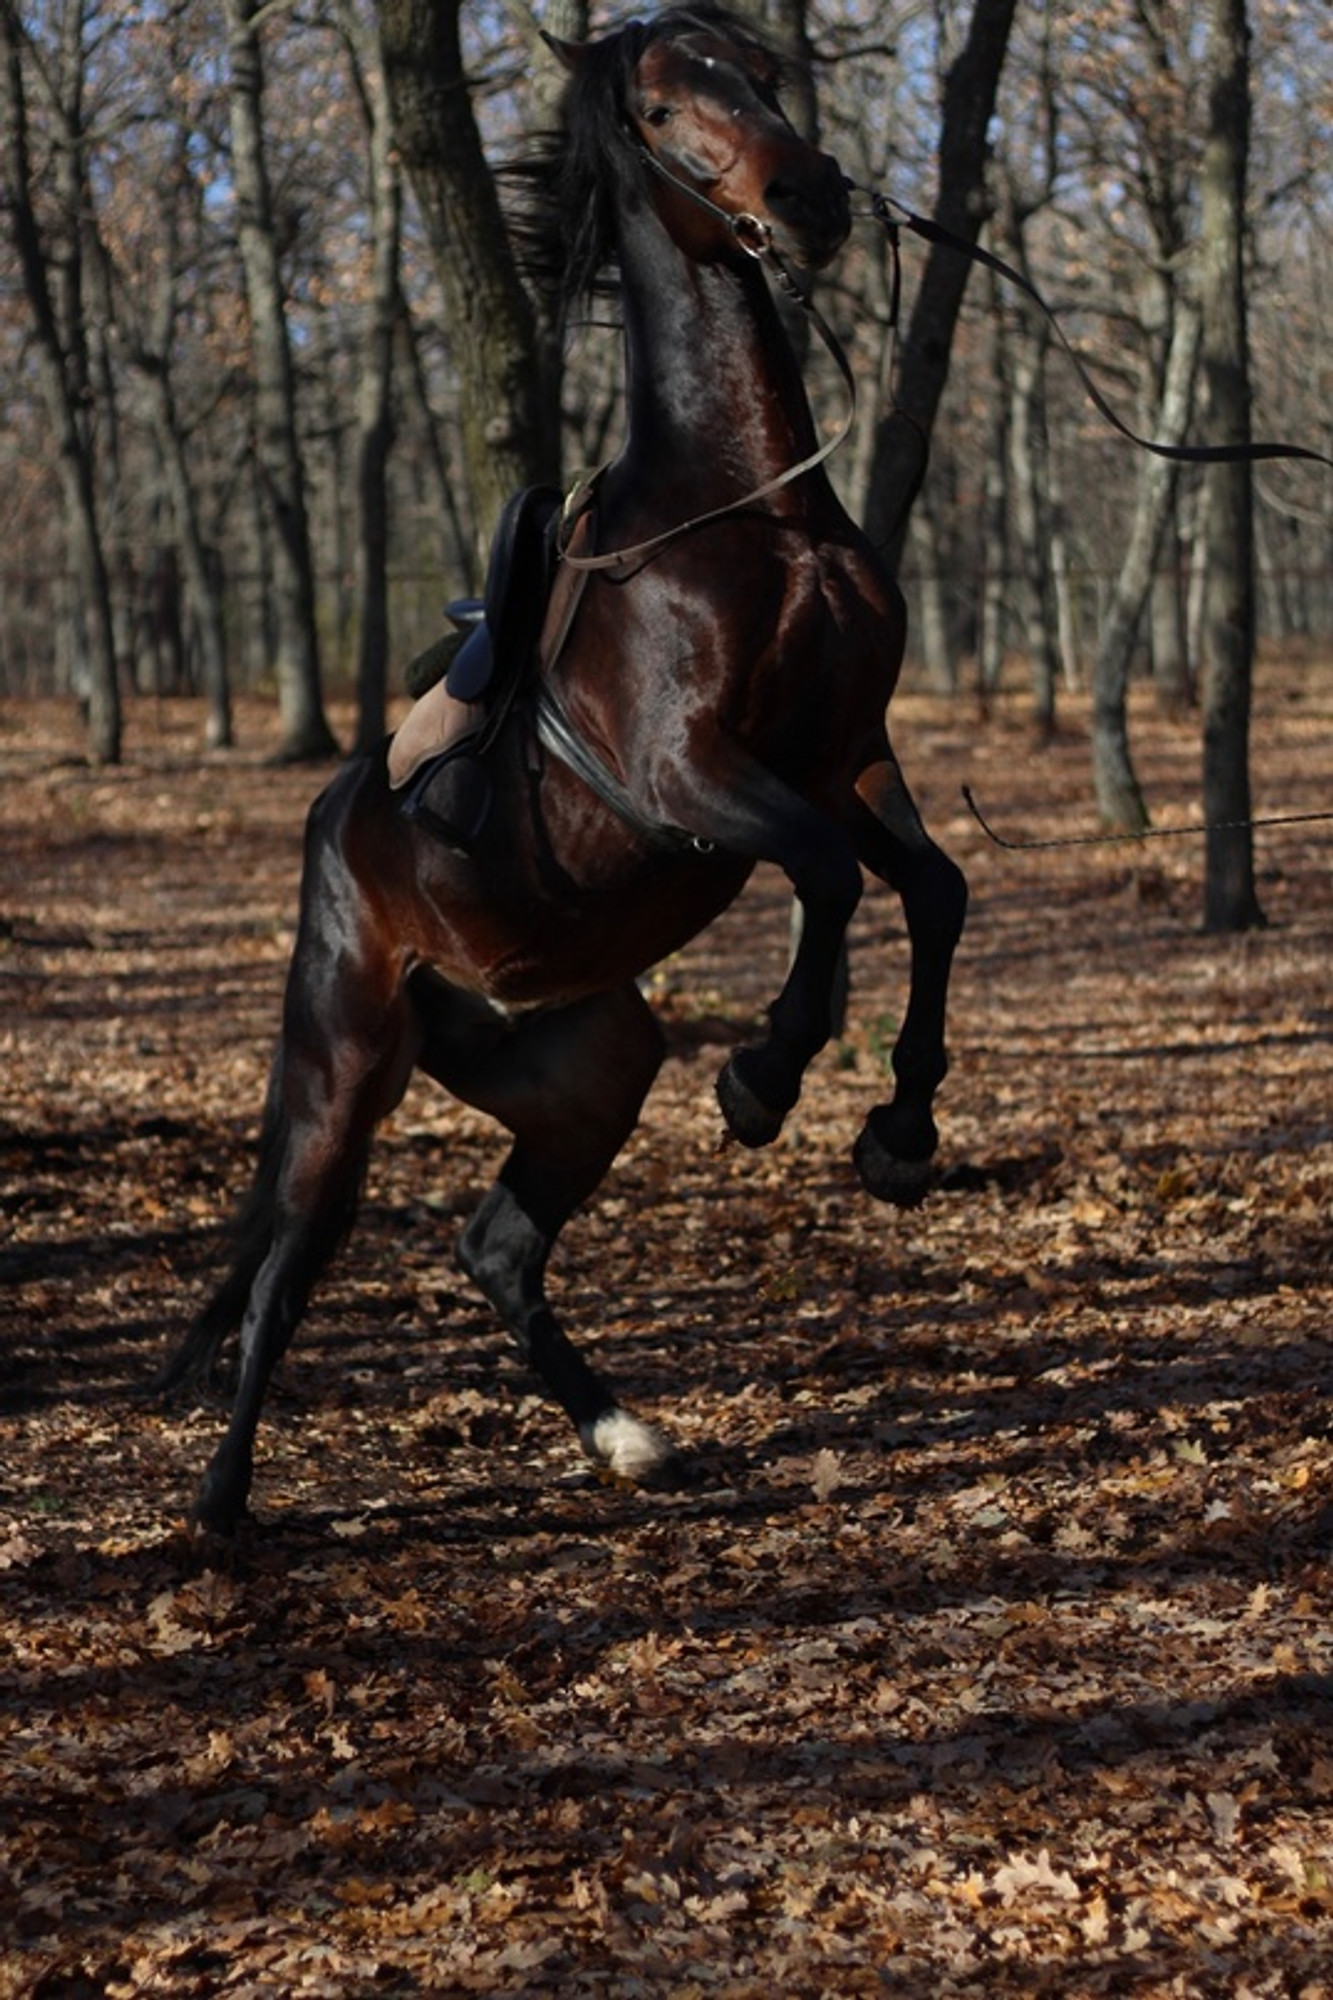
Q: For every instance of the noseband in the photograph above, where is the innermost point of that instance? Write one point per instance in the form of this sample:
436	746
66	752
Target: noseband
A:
751	232
755	238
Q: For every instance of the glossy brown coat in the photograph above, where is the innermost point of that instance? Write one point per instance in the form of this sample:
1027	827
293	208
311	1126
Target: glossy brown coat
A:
735	679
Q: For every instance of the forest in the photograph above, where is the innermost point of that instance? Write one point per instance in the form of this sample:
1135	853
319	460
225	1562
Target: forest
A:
983	1648
271	360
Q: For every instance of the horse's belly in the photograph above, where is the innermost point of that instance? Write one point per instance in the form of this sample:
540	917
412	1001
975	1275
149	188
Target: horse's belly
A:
528	947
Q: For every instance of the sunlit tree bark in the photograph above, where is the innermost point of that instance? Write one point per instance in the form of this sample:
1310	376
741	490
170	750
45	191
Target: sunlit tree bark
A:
1119	798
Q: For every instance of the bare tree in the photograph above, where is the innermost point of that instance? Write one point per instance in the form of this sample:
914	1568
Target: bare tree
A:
374	417
1230	899
148	328
306	733
61	357
510	404
1119	799
902	437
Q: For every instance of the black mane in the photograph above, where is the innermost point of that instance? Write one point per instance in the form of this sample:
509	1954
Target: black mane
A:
566	187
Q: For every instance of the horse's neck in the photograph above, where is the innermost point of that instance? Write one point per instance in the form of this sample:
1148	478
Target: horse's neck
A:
714	386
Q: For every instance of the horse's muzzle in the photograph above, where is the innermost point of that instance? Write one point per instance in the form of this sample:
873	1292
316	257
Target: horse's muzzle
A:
810	212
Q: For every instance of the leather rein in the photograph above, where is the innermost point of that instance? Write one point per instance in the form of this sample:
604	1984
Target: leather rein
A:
1182	454
755	237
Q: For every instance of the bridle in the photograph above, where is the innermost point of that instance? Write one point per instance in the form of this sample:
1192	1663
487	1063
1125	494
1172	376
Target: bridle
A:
755	237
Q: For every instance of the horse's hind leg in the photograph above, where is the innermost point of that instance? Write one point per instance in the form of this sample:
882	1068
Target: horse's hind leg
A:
190	1369
569	1085
333	1088
894	1151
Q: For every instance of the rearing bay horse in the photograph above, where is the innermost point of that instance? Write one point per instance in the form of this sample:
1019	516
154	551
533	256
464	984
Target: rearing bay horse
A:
732	674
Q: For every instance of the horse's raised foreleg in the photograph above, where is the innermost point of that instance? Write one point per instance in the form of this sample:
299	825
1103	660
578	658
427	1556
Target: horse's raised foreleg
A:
753	814
894	1151
569	1084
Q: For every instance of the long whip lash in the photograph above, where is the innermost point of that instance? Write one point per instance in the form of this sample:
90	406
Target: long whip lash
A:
1214	454
1146	833
1250	452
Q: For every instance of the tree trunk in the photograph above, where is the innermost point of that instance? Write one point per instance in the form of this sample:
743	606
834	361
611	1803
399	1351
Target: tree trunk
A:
1031	511
902	437
436	484
1119	799
200	587
374	414
150	351
937	648
306	733
1029	501
60	374
510	402
1062	583
1230	899
1170	655
995	517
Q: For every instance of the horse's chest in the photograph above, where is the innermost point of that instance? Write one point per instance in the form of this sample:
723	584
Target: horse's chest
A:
834	650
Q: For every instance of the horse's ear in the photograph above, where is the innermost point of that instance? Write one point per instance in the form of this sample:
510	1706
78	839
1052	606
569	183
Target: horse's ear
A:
569	55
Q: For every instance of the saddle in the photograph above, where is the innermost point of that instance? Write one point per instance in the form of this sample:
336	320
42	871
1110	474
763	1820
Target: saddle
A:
436	758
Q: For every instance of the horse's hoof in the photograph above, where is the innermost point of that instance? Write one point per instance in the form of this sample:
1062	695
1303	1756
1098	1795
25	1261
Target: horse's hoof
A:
747	1117
904	1183
623	1448
212	1529
216	1514
203	1548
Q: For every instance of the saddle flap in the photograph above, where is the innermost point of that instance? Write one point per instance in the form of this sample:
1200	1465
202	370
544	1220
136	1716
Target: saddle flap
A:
468	705
473	665
518	574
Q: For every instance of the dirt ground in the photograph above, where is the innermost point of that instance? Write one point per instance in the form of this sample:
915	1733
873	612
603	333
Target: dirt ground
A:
989	1653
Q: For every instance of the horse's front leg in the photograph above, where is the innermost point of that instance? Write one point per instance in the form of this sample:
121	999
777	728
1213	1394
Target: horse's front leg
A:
749	812
894	1151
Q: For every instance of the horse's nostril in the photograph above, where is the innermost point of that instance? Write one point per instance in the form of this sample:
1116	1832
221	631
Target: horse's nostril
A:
818	203
787	200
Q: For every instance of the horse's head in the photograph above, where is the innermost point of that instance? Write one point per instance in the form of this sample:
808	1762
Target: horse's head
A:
732	173
690	100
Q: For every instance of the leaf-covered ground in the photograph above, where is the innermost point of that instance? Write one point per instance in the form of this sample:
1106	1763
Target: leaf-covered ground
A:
989	1655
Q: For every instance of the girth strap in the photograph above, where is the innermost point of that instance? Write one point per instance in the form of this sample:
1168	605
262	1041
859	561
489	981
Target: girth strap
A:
558	734
554	728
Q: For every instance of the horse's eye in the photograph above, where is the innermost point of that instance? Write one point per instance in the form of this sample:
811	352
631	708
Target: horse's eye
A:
658	114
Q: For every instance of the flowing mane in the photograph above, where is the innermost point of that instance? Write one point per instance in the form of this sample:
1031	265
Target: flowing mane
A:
565	187
487	915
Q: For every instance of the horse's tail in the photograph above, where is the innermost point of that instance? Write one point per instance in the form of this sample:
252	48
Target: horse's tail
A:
190	1369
